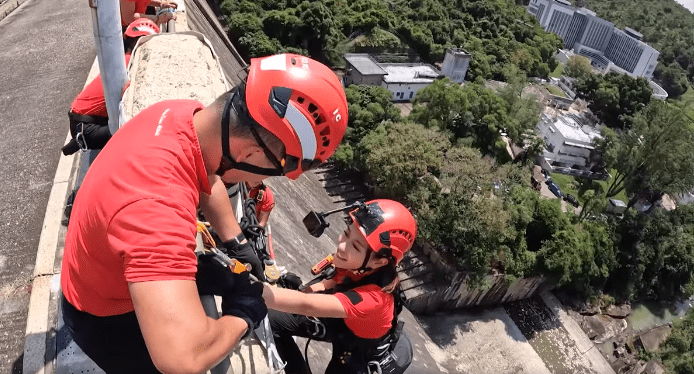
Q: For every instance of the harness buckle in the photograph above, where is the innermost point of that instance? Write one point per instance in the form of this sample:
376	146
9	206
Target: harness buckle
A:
319	328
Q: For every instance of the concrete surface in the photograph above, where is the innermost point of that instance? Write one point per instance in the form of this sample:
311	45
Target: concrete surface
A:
481	341
558	340
46	49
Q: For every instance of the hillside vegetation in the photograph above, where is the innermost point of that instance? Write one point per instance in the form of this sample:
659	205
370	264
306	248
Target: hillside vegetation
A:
498	33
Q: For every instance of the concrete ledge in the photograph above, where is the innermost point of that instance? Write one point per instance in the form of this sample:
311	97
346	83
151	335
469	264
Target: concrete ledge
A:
7	7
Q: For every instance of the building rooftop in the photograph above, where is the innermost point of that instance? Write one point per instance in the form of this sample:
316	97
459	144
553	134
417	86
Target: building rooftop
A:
410	73
571	128
633	33
365	64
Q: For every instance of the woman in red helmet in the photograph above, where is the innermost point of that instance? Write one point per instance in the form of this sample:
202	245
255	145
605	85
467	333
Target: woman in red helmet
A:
355	310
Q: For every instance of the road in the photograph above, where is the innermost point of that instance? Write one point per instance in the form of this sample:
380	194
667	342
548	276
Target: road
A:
46	49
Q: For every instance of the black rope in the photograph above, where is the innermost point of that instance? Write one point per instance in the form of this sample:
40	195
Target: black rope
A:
254	233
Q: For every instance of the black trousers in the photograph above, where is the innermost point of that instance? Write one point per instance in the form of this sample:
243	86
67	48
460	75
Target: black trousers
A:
114	343
285	326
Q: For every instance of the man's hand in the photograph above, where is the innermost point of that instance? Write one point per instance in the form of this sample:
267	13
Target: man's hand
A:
240	297
213	278
246	302
246	255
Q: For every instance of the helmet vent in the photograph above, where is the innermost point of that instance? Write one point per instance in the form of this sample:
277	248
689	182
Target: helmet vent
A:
319	120
300	100
326	141
406	235
312	108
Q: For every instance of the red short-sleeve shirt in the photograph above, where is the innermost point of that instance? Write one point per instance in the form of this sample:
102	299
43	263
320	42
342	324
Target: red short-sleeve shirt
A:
140	7
91	101
134	216
266	203
369	310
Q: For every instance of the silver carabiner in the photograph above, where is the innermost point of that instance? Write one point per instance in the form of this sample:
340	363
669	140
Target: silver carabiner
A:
376	364
79	137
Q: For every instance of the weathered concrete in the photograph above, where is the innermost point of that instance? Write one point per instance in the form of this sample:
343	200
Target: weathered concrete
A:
46	48
481	341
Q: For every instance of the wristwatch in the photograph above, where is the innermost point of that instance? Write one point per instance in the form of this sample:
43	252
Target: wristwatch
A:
237	239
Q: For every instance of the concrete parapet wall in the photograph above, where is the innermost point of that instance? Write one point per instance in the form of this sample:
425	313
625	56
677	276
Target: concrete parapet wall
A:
432	285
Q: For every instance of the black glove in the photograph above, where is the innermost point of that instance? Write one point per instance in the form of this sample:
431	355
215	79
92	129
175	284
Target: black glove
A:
240	297
246	255
246	302
290	281
213	278
95	137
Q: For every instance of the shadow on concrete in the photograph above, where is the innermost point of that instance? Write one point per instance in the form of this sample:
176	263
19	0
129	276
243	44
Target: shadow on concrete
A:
343	186
17	365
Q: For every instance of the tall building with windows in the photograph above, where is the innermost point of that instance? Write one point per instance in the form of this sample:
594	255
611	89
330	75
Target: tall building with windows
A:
627	51
608	48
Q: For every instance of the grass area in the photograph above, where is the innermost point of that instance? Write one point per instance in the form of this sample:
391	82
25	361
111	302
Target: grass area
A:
605	184
558	71
686	100
566	183
569	185
554	90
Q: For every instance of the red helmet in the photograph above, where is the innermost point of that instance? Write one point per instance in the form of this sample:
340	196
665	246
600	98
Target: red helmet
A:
141	27
388	225
301	102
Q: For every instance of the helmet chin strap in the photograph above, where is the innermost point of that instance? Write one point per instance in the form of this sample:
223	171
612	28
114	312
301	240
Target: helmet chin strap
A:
363	268
227	163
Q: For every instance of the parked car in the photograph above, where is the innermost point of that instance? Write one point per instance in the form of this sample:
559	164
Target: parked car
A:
555	189
569	198
548	178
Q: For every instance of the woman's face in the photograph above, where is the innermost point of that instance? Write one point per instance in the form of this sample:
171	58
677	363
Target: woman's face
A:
351	249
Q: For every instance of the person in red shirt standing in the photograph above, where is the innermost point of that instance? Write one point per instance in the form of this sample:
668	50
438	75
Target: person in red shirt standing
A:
354	310
88	115
131	281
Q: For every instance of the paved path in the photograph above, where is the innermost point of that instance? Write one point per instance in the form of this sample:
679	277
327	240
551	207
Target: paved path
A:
46	49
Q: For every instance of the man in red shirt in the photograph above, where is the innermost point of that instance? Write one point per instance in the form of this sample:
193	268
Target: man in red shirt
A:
88	115
264	201
129	278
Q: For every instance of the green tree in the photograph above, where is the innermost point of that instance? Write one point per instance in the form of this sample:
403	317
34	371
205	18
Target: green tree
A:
578	67
397	155
655	155
613	96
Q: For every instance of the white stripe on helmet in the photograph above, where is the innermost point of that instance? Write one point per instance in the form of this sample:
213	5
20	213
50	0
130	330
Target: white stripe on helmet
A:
276	62
304	131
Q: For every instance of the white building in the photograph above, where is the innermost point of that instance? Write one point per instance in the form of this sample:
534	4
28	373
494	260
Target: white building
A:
405	79
568	145
627	51
362	69
455	64
608	48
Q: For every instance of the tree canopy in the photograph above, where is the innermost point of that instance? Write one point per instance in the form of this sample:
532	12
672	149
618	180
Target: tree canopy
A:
653	157
496	32
613	95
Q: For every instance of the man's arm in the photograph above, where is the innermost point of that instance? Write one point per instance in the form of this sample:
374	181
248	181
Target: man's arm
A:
179	336
263	217
218	210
